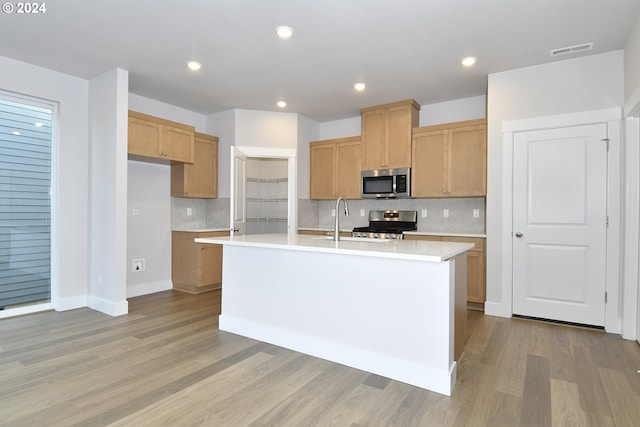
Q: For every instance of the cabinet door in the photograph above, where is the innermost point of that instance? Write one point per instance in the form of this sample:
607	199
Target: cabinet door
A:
209	264
322	171
475	277
348	177
144	138
177	144
428	168
374	128
200	179
398	138
467	162
475	267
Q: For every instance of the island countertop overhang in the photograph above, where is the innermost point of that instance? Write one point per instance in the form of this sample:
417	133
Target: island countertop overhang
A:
417	250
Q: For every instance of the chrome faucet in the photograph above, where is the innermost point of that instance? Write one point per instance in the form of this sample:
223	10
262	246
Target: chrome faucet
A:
336	232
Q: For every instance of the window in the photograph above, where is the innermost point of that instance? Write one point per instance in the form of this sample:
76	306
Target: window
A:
25	202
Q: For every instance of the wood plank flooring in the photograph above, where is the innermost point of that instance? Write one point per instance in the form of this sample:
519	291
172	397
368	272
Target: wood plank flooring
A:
167	364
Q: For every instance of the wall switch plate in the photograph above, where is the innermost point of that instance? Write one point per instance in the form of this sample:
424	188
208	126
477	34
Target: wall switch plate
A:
476	213
361	212
424	213
445	213
189	212
137	265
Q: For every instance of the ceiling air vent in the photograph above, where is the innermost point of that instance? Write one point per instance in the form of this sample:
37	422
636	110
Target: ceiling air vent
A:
571	49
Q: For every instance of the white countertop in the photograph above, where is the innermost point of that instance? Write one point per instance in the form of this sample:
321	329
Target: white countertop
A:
416	233
418	250
447	234
199	230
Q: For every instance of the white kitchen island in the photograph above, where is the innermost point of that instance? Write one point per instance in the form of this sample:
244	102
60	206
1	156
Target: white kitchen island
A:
396	308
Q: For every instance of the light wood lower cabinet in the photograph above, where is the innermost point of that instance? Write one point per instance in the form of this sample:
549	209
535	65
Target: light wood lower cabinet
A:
476	286
196	267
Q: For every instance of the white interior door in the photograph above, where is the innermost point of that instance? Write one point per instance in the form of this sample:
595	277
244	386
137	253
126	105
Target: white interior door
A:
560	220
238	201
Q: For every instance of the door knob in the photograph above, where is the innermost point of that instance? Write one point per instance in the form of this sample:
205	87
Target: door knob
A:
519	234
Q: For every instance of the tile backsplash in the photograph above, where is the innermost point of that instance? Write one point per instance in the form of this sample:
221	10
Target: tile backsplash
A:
214	213
205	213
460	214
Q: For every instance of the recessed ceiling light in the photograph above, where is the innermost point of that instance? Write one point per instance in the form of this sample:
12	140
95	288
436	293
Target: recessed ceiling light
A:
469	61
359	86
38	124
194	65
284	32
281	104
15	132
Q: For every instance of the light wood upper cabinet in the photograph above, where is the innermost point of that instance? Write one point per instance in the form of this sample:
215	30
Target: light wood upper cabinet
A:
154	137
450	160
386	134
200	179
335	168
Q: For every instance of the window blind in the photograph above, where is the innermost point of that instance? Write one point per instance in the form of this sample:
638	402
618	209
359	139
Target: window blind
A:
25	203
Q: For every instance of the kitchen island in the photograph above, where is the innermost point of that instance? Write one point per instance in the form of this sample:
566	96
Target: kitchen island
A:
393	308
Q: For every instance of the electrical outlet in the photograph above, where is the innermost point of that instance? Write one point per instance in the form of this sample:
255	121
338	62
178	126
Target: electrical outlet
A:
476	213
445	213
135	211
189	211
333	212
361	212
137	265
424	213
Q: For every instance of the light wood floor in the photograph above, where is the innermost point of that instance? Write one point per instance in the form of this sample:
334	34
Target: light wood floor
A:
166	363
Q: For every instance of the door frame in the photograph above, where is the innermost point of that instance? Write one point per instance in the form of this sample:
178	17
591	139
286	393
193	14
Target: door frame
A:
612	118
631	303
292	179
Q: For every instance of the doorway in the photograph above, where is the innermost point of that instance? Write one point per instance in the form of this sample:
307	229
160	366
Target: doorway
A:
263	191
560	223
267	195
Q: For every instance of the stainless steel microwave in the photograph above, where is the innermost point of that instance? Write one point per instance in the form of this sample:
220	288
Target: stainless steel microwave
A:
386	183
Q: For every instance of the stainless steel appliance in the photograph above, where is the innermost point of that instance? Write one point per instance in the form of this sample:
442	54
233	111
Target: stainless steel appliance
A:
388	224
386	183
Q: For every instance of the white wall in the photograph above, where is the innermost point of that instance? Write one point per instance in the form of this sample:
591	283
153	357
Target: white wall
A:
223	125
632	66
266	129
148	227
340	128
453	111
108	186
574	85
308	130
70	273
166	111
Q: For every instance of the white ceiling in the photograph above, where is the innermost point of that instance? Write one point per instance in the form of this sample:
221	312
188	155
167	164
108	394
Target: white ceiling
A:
400	48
